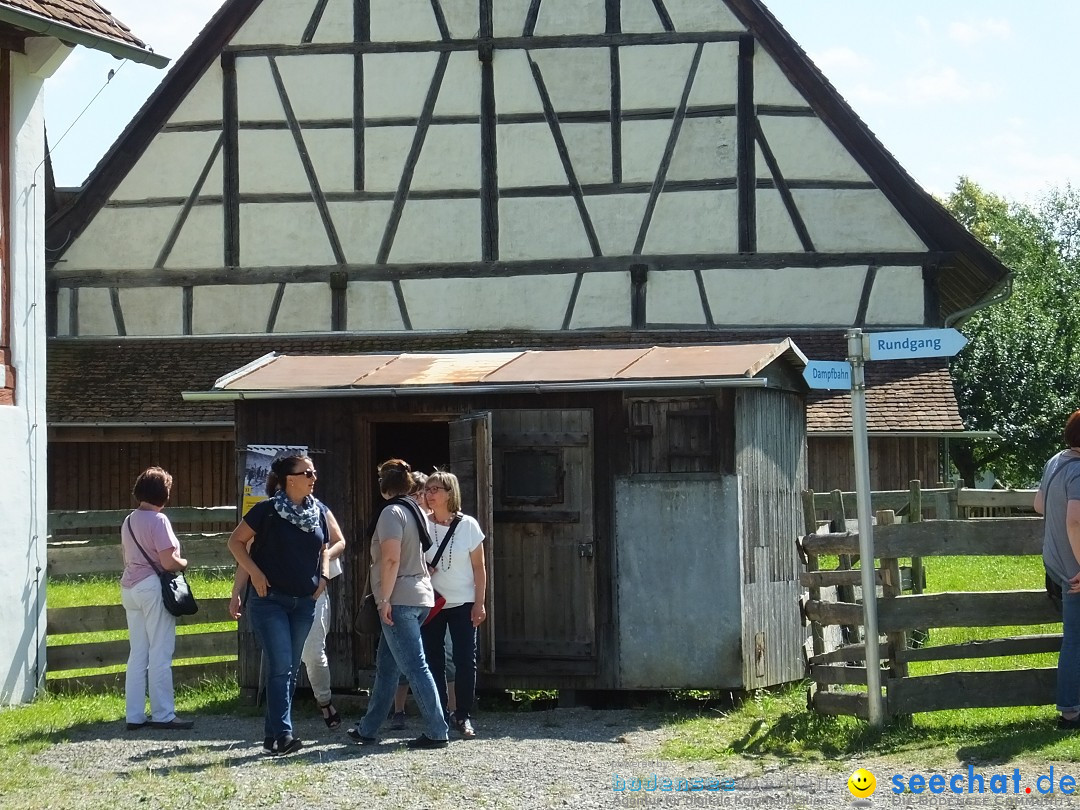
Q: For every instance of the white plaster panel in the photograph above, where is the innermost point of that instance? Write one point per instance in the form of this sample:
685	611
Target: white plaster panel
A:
304	308
270	163
122	239
63	311
784	295
373	307
542	228
460	91
694	222
616	218
654	76
806	149
897	298
854	219
385	152
204	101
283	234
95	312
438	231
576	78
171	166
360	227
450	158
717	80
462	18
673	297
775	231
589	147
603	300
570	17
702	15
517	302
336	25
640	17
396	84
275	22
515	88
319	86
231	309
403	21
508	17
257	97
201	241
333	155
528	156
643	145
771	86
705	149
153	310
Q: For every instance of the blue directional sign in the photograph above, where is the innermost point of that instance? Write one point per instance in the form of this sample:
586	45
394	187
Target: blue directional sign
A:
826	375
915	343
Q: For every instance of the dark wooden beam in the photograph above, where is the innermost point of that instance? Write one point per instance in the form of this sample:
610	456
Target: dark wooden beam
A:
309	167
639	295
669	151
313	23
613	10
189	203
864	299
489	150
662	13
118	311
230	162
440	20
361	37
530	18
745	148
275	307
785	190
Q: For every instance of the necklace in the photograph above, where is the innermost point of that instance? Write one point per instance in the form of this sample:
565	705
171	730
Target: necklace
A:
449	549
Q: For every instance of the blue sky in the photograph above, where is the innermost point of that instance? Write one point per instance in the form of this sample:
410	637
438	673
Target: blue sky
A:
951	87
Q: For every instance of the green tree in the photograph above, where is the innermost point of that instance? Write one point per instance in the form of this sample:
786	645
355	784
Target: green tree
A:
1020	373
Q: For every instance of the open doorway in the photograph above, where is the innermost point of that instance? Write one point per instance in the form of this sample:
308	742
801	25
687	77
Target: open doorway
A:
425	445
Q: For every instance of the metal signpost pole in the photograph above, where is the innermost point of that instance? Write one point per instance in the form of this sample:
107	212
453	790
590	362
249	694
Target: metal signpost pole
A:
857	358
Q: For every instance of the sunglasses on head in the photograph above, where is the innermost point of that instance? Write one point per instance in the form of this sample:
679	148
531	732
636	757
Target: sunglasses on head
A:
305	473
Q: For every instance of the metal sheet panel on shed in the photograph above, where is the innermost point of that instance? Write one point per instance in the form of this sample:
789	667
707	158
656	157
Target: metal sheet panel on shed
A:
678	582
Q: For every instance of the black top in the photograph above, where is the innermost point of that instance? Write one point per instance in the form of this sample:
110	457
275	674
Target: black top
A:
289	556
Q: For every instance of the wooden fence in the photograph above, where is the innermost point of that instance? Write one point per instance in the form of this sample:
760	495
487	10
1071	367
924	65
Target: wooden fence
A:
72	555
834	668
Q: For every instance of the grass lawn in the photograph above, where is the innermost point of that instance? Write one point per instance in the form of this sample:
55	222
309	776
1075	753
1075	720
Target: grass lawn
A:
777	723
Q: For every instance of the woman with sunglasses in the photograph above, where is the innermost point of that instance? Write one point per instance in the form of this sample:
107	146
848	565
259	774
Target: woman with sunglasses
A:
461	578
287	570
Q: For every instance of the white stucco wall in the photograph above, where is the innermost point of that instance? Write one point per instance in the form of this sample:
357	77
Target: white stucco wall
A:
22	426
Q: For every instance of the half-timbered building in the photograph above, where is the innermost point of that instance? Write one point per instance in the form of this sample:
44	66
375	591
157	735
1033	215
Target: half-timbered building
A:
363	176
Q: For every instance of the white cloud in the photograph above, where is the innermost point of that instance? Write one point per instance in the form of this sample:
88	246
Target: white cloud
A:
970	33
943	85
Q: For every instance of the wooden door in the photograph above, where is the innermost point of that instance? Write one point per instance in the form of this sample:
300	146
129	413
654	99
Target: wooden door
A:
470	461
545	572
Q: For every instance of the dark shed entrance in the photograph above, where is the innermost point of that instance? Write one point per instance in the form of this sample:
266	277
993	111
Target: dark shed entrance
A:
641	505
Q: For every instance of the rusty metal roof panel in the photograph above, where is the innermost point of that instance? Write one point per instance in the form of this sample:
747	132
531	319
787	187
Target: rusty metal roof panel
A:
566	365
436	369
296	372
729	360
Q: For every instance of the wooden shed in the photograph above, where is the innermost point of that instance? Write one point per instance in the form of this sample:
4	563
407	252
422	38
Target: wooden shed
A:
640	504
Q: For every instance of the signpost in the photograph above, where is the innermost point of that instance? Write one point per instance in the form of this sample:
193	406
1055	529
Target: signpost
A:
880	346
821	374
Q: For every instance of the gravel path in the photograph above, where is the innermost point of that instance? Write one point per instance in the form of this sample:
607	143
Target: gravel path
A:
552	759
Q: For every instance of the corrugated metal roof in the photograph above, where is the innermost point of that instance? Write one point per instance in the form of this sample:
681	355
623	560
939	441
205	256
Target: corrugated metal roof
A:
447	372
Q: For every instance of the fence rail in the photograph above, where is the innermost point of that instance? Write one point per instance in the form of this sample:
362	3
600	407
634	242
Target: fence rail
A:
74	556
975	523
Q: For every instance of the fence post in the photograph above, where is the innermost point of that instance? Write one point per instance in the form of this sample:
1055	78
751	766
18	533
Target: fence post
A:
844	593
817	633
918	575
891	587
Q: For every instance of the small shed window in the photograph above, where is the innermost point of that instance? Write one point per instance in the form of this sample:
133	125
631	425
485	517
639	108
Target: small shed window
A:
532	477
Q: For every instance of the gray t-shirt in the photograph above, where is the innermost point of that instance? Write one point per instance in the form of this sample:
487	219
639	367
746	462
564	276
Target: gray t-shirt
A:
1060	484
413	586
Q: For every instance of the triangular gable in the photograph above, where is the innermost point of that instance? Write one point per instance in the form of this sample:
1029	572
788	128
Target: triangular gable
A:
660	175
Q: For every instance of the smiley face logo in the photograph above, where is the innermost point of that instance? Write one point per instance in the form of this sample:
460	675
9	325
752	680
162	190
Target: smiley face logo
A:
862	784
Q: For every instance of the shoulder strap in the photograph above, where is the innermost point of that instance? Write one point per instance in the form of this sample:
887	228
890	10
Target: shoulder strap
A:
442	546
137	545
410	506
1060	468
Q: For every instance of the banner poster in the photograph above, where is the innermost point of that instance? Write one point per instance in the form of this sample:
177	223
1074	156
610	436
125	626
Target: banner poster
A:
257	468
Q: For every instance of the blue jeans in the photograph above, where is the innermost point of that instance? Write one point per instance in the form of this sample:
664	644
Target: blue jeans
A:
281	624
463	637
1068	673
400	649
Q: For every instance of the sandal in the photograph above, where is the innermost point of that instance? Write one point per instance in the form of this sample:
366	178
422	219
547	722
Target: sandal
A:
330	715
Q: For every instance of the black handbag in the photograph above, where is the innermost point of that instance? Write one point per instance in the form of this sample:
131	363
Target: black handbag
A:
175	592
